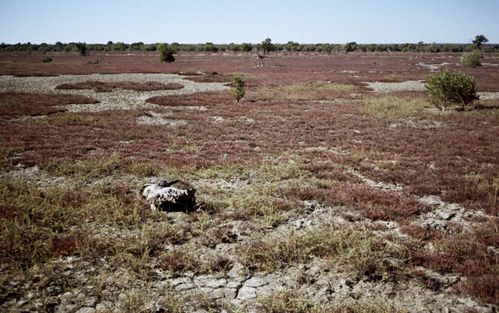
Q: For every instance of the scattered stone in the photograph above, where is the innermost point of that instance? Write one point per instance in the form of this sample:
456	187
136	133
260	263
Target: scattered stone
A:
446	215
301	223
217	119
159	119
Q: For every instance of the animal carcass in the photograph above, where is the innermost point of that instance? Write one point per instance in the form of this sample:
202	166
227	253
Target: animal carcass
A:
165	196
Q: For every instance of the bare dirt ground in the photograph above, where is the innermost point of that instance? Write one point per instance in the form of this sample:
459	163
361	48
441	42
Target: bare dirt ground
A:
333	186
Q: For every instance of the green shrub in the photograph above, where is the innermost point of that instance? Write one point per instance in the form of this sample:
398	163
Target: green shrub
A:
472	58
166	53
238	89
451	88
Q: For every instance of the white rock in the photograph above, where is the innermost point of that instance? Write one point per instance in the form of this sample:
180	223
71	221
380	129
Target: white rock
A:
246	293
255	282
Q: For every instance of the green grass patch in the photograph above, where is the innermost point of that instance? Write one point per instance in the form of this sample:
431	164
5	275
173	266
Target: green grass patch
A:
396	107
292	302
347	249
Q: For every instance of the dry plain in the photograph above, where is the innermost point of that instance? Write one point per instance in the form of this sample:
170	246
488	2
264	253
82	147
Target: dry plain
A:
332	186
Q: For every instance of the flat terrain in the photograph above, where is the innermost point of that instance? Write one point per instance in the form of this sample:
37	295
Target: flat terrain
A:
332	186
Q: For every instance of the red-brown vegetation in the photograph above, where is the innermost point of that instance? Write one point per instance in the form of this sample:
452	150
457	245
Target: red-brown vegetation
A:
374	203
471	255
13	104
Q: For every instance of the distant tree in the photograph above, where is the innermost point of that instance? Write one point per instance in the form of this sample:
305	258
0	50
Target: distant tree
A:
479	41
350	46
166	53
246	47
136	46
210	47
82	48
267	46
234	47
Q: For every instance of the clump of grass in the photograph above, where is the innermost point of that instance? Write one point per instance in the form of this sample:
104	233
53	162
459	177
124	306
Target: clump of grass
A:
287	301
98	167
395	107
290	301
143	300
357	250
178	261
39	224
264	184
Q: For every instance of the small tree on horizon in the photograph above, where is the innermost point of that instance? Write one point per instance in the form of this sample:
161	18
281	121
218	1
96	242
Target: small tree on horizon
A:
82	48
350	46
479	41
267	46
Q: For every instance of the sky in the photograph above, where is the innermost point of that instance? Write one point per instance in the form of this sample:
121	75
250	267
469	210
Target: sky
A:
225	21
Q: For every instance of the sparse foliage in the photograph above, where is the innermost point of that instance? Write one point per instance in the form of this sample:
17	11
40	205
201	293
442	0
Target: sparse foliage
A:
238	89
451	88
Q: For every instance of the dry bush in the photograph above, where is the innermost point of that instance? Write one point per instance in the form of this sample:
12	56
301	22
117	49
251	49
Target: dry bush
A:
178	261
14	104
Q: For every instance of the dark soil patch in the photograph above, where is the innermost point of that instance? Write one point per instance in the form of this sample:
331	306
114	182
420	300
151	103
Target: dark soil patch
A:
13	104
99	86
195	99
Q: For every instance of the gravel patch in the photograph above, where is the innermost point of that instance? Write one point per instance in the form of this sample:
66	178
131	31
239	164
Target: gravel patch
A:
159	119
114	100
410	85
488	95
434	67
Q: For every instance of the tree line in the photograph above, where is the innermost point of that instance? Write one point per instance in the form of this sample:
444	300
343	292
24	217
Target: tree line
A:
265	46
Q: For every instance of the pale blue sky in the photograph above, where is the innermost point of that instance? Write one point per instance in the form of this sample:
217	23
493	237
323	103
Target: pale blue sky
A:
224	21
